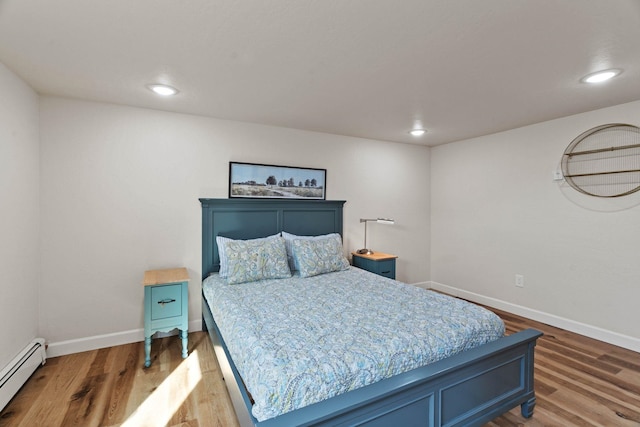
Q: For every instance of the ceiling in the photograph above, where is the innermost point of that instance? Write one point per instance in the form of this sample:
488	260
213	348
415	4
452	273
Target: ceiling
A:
363	68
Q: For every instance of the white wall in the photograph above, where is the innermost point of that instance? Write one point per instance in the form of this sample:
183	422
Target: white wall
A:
19	230
496	212
120	189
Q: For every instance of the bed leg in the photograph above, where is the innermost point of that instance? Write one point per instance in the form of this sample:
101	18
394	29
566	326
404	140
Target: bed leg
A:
527	407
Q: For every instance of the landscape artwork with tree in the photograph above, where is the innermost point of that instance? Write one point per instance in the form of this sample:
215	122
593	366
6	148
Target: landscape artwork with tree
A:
250	180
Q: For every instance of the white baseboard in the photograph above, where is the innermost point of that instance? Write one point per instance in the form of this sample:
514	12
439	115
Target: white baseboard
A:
425	285
590	331
62	348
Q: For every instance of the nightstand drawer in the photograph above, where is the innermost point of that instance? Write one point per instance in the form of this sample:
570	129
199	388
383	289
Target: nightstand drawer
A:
166	301
386	268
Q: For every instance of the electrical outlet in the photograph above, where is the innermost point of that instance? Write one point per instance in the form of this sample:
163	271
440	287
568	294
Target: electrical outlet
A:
519	280
557	175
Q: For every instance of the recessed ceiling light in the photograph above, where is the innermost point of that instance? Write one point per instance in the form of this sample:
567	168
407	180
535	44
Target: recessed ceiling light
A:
601	76
164	90
417	132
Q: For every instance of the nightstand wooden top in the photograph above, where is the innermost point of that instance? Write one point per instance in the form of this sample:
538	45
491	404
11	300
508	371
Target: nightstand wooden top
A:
169	275
376	256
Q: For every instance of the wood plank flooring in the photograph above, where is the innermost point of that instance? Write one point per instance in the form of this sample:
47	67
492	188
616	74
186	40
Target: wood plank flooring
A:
579	382
111	387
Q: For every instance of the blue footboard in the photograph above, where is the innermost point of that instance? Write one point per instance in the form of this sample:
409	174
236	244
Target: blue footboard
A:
468	389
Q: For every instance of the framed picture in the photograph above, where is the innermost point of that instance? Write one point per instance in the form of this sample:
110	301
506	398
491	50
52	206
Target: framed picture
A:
249	180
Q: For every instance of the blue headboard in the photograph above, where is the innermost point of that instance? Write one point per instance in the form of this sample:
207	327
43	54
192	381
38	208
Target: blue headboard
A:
253	218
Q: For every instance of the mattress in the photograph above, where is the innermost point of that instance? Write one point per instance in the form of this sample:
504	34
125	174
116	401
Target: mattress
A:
298	341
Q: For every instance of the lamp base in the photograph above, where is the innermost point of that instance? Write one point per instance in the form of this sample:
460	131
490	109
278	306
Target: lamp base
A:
364	251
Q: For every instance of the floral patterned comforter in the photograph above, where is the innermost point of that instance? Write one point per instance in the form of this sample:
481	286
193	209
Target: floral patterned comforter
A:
298	341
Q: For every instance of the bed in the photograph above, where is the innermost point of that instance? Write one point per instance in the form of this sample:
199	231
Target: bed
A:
470	387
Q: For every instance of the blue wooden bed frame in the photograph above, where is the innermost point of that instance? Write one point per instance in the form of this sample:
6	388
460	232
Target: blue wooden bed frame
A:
467	389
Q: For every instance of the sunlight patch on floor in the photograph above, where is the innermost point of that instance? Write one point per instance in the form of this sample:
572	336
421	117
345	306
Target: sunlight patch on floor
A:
159	407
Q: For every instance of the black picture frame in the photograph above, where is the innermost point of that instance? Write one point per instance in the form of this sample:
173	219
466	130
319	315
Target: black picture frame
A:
263	181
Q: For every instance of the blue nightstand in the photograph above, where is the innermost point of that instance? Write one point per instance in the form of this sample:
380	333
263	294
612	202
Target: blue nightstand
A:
377	262
166	306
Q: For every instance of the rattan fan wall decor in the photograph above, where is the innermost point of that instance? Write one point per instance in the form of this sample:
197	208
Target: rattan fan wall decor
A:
604	161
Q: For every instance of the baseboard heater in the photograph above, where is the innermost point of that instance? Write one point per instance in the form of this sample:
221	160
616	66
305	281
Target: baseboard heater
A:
18	371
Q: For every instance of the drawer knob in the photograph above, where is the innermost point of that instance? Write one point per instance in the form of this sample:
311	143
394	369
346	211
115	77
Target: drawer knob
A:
162	302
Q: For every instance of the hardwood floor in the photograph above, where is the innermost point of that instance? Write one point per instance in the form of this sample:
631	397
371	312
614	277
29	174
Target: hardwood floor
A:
578	381
111	387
